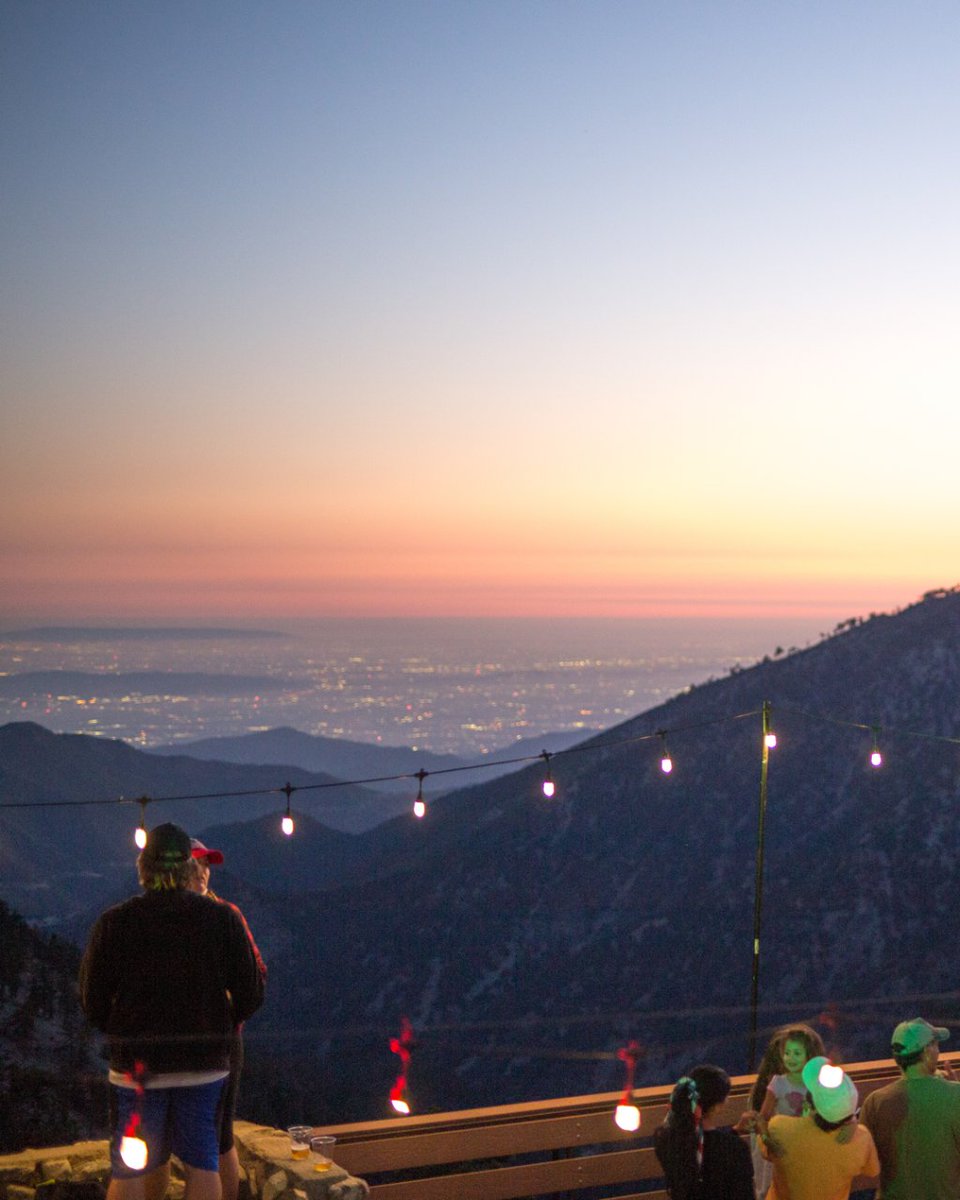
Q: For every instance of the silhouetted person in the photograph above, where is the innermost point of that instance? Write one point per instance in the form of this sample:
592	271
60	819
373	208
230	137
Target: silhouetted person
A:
168	976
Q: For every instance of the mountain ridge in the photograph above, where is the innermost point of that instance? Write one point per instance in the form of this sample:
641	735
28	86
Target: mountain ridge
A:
527	939
576	921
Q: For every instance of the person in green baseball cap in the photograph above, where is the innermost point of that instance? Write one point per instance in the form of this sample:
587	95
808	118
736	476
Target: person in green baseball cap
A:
915	1121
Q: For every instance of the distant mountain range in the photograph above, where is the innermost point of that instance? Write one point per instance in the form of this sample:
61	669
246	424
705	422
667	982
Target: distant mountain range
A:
345	759
527	939
66	836
122	633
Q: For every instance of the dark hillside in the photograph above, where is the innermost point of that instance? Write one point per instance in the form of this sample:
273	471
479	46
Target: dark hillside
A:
527	939
63	856
52	1081
562	927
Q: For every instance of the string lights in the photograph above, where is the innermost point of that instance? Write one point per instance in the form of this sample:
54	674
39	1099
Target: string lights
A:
287	825
549	788
627	1114
419	805
133	1149
666	762
140	837
404	1046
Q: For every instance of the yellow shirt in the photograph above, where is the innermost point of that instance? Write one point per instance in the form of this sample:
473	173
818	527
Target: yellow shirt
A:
814	1165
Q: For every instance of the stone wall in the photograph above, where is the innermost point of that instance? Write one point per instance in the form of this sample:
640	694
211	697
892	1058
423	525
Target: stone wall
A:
267	1172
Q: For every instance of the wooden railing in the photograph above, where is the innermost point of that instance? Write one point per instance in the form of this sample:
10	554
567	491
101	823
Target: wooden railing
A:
520	1151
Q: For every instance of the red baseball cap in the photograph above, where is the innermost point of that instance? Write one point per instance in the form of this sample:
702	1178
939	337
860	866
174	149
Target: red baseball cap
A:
213	858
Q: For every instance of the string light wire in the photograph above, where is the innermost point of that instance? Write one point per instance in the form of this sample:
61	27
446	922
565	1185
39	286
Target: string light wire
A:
590	746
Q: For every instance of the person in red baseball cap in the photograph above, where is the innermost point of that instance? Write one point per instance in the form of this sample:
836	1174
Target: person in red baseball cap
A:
169	1060
157	1182
203	854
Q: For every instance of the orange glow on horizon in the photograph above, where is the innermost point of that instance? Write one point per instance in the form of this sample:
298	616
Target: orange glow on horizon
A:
83	597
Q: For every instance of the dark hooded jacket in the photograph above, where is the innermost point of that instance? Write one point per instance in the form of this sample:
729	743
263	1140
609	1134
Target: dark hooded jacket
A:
169	976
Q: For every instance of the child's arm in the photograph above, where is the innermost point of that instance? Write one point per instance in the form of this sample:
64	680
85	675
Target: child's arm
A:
747	1122
768	1107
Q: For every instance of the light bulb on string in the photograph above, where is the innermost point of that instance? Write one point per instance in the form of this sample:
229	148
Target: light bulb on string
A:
140	837
404	1046
549	788
133	1151
419	805
398	1098
666	762
876	758
627	1114
286	825
769	737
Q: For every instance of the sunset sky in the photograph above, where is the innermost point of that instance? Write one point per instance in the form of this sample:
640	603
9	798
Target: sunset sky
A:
501	307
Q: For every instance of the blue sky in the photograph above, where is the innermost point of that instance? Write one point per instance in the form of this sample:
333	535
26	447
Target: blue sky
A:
520	307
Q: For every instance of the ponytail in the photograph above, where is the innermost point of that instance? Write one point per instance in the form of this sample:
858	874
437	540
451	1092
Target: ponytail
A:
678	1142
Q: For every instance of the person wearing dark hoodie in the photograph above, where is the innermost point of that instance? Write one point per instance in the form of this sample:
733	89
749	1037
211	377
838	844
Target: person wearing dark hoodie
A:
168	976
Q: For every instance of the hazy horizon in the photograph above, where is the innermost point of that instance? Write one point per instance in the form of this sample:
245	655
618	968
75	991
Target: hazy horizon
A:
457	685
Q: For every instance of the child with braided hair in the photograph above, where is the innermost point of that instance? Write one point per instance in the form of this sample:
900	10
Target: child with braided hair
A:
702	1160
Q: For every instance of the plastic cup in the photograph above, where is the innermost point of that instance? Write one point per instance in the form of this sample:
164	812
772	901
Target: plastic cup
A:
300	1141
320	1148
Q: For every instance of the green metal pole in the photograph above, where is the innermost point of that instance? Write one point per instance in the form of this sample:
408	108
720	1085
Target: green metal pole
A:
758	884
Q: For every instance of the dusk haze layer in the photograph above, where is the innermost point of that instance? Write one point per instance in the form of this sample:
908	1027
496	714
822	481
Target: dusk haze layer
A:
502	309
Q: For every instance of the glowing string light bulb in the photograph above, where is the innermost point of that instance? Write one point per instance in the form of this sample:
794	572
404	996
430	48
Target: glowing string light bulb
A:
769	737
404	1046
549	788
133	1151
419	805
876	758
286	824
140	837
627	1115
666	762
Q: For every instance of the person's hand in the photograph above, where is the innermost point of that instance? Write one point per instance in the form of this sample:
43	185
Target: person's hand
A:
946	1071
747	1122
